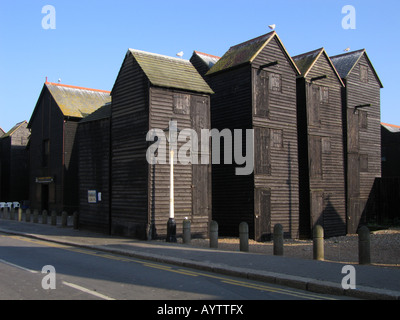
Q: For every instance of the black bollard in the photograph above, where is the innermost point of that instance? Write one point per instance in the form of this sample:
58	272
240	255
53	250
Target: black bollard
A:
244	236
278	240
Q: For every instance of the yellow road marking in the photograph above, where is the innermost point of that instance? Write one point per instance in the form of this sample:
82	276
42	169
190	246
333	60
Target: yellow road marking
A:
170	269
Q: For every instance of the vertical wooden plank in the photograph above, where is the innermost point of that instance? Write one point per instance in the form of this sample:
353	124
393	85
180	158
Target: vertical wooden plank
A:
261	98
262	207
315	157
317	208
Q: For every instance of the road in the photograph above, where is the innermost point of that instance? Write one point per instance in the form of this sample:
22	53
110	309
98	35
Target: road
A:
83	274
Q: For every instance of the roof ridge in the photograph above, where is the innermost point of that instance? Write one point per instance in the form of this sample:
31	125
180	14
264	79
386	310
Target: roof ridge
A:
308	53
348	53
76	87
159	55
390	125
269	34
207	54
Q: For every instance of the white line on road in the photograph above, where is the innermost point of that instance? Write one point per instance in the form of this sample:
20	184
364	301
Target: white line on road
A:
94	293
17	266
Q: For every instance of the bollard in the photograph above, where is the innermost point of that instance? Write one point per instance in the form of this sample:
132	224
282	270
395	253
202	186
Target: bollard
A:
35	216
244	236
278	240
75	220
213	234
318	243
364	246
28	215
53	218
64	219
44	217
19	214
187	237
12	214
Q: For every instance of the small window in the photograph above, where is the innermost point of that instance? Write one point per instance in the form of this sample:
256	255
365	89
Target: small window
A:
275	83
182	103
326	145
364	74
324	95
277	138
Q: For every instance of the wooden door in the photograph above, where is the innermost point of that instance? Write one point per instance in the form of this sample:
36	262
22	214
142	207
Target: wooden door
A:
353	171
262	213
201	174
260	92
262	152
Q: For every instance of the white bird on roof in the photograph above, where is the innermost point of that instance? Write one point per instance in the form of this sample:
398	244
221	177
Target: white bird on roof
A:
346	50
272	26
180	54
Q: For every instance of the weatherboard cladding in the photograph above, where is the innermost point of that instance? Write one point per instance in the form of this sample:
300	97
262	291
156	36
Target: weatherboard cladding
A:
361	116
54	124
322	181
145	96
243	99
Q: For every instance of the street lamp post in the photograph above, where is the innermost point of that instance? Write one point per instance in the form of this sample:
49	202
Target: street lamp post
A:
171	225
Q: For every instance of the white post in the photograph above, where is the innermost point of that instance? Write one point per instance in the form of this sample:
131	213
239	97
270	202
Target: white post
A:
171	199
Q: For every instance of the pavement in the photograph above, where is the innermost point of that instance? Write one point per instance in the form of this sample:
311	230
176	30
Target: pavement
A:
372	282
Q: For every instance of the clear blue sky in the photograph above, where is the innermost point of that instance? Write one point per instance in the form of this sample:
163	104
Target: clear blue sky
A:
92	36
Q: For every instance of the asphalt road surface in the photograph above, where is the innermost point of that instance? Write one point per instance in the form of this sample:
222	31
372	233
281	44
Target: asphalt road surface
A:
32	269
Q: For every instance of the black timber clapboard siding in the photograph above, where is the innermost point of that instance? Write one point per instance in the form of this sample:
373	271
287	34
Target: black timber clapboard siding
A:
129	171
94	170
362	132
53	147
322	182
47	123
390	150
244	99
14	164
144	99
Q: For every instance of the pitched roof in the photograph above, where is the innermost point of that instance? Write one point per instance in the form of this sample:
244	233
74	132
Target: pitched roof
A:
208	59
103	112
391	127
77	102
345	63
170	72
2	132
306	61
14	129
246	52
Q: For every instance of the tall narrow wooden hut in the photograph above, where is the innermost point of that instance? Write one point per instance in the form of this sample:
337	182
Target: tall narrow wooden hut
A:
94	142
53	147
362	131
149	92
322	182
255	88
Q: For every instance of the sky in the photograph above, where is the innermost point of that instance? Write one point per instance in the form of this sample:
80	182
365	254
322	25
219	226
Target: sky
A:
84	42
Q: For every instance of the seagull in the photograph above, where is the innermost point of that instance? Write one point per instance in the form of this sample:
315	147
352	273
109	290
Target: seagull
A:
180	54
346	50
59	80
272	26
